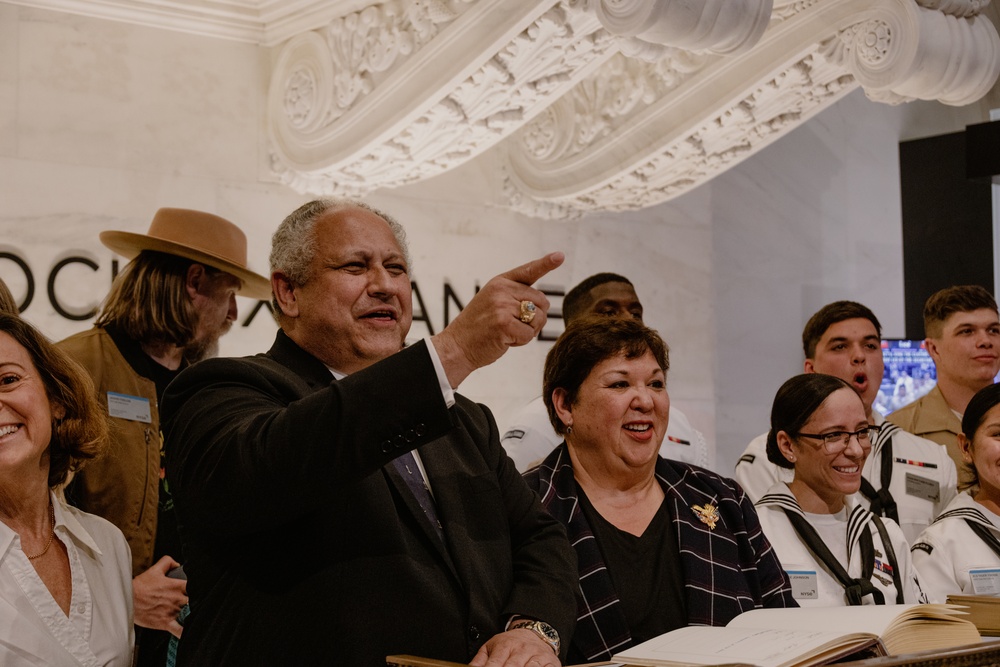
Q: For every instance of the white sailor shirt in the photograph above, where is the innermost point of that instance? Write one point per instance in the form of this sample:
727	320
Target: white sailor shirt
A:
952	559
813	585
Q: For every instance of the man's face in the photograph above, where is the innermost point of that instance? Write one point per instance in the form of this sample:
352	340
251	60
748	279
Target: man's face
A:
615	300
968	350
215	305
851	350
356	307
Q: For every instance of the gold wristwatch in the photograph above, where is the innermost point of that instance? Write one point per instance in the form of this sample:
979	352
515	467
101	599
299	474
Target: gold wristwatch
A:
547	633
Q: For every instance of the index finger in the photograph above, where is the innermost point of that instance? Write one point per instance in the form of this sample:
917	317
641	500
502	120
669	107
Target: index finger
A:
528	273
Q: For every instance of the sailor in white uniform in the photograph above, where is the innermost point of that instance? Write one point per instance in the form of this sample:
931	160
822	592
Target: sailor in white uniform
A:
834	551
960	552
906	478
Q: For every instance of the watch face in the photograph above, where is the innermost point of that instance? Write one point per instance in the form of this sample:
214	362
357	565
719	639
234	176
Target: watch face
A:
543	630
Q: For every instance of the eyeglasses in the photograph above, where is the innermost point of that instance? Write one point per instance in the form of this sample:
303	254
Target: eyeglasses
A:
835	442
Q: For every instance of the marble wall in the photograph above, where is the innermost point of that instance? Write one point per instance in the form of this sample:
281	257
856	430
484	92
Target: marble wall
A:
101	123
814	218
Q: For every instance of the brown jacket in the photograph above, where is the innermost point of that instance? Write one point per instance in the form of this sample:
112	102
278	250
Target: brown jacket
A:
123	485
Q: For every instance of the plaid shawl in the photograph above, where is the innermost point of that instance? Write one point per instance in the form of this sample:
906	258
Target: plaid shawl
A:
727	571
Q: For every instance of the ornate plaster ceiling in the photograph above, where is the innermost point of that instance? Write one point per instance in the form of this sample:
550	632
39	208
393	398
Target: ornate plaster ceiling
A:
589	104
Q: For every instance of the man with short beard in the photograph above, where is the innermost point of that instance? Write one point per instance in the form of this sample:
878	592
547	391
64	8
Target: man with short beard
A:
167	309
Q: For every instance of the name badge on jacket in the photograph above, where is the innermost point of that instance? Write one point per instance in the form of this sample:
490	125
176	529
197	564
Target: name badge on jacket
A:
132	408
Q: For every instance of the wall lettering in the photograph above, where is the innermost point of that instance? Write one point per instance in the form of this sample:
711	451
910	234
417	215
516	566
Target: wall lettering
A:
450	301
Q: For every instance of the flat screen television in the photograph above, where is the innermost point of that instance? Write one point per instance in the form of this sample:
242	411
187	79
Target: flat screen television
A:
909	374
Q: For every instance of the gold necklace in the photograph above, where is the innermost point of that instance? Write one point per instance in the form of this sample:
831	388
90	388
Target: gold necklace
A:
52	533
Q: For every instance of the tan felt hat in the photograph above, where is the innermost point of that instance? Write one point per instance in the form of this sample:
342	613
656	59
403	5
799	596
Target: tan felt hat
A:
202	237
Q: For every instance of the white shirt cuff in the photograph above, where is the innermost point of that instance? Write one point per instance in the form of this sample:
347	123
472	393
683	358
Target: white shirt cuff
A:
446	391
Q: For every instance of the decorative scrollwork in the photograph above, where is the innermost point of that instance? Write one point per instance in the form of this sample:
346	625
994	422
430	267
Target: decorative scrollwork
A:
389	95
765	113
900	50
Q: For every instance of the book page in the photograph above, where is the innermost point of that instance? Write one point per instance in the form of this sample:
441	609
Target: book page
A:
874	619
699	645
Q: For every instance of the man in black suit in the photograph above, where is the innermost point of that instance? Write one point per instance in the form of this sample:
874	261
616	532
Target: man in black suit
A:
338	501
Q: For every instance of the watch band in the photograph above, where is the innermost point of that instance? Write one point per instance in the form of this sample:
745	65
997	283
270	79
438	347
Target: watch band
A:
545	631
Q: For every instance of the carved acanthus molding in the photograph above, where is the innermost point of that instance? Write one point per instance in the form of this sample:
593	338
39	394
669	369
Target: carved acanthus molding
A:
766	112
590	104
785	10
443	118
598	104
936	50
328	87
698	123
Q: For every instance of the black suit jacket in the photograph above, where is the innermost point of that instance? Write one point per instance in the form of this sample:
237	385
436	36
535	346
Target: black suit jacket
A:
301	548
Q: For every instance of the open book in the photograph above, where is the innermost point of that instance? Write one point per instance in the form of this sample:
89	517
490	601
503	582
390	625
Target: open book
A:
984	612
808	636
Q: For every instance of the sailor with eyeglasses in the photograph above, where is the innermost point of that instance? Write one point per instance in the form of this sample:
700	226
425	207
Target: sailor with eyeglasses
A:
906	478
834	550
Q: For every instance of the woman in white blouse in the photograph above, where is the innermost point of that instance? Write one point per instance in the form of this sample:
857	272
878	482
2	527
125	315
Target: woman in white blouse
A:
65	576
960	552
834	551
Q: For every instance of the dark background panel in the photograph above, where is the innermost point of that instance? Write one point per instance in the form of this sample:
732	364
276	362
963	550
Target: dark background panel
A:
947	223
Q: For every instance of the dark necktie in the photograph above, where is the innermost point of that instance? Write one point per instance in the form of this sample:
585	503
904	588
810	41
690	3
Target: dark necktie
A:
407	467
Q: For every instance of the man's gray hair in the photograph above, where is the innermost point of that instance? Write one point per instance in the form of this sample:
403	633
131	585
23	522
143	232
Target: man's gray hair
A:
293	246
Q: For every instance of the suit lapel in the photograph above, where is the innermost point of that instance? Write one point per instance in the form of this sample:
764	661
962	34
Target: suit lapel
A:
398	484
445	461
286	352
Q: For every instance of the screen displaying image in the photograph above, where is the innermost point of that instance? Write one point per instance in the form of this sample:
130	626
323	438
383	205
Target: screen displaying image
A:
909	374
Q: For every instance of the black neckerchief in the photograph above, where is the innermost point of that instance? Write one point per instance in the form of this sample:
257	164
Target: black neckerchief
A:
856	589
985	535
882	502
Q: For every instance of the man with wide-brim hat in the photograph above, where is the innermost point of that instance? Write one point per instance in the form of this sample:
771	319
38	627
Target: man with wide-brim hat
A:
166	309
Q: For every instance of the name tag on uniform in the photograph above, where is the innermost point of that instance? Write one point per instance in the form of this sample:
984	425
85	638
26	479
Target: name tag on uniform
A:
986	581
921	487
132	408
803	584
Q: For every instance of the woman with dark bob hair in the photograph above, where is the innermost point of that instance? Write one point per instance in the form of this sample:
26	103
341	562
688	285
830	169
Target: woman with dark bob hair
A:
959	554
660	544
835	551
65	575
